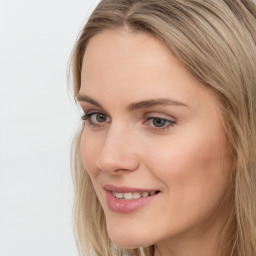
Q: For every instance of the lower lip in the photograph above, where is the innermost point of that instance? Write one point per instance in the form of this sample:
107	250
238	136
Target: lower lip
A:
127	206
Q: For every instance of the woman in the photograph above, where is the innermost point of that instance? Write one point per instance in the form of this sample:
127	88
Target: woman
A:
165	162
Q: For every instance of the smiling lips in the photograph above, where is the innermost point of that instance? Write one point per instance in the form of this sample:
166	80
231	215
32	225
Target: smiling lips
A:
135	195
127	200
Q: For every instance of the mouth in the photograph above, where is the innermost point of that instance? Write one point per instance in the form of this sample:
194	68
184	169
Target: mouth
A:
133	195
127	200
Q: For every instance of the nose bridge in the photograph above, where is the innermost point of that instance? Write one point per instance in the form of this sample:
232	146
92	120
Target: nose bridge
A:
118	151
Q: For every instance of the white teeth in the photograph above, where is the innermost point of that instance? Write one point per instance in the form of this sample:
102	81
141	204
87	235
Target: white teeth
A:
135	195
118	195
145	194
127	196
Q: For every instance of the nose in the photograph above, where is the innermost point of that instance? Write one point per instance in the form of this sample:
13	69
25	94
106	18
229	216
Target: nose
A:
118	152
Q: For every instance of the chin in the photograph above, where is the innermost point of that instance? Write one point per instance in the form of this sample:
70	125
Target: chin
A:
129	243
127	238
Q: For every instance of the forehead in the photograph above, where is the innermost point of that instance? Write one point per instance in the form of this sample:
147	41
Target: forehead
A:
124	47
127	66
121	54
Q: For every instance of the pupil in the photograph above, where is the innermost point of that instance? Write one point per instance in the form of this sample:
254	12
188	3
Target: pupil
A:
159	122
101	118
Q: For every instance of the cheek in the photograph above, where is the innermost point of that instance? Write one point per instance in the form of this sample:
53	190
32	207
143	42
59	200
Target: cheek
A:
194	177
193	170
90	147
89	151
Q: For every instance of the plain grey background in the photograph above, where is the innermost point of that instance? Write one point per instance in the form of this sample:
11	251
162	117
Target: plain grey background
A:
37	121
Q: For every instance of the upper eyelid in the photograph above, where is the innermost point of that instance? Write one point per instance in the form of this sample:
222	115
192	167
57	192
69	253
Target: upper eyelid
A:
87	116
161	116
92	111
146	115
171	121
166	119
88	107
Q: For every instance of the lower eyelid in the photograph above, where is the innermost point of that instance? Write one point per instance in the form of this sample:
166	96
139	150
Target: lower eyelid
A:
88	119
169	124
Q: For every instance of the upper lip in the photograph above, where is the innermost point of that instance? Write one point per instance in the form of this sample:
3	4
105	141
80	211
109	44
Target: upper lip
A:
124	189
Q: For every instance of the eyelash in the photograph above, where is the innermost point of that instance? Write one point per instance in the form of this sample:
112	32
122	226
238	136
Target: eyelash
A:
87	117
168	123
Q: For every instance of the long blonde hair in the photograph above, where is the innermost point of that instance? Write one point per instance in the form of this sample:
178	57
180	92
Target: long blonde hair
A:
216	41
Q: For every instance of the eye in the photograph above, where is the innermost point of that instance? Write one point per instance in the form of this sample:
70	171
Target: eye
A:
96	118
159	124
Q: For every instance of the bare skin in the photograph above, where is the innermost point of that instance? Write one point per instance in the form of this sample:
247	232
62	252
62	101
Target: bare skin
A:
151	125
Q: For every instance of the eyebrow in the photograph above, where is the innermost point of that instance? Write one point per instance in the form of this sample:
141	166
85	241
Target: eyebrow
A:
154	102
137	105
85	98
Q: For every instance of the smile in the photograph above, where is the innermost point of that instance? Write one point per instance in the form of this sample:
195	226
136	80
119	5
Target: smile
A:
134	195
127	199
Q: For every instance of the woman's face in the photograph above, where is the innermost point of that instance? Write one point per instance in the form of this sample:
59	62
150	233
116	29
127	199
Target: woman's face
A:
153	143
